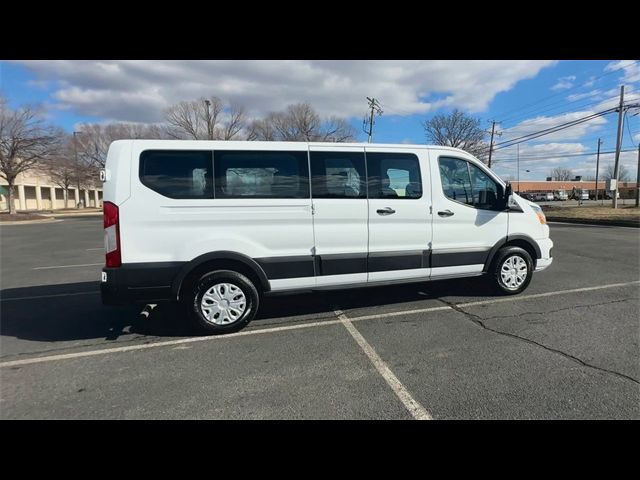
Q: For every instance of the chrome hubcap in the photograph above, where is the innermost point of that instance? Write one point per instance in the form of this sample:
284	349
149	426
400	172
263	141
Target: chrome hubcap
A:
513	272
223	303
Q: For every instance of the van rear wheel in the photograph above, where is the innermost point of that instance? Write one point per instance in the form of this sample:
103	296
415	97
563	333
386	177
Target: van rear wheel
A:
512	270
223	301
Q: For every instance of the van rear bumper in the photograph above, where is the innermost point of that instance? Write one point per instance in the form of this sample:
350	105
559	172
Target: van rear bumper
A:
139	283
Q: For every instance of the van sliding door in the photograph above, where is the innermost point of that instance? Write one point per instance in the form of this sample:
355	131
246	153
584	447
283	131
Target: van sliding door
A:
338	185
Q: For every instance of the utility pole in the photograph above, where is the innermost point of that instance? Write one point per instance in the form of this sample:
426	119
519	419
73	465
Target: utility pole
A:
518	161
638	180
618	146
597	167
374	105
493	132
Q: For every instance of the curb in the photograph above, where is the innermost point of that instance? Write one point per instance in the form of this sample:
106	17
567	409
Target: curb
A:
92	214
610	223
31	222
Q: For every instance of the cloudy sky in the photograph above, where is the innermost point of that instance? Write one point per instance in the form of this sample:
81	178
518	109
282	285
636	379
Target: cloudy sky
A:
524	95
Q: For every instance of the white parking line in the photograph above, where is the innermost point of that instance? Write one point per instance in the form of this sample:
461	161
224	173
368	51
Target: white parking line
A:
395	314
91	353
592	225
416	410
69	266
47	296
547	294
52	358
99	248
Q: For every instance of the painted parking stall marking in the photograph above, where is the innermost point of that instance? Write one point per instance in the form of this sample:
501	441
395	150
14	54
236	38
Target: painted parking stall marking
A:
412	405
70	266
144	346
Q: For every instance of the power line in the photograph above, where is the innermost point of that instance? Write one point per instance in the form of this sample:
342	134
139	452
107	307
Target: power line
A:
629	129
524	138
543	157
564	92
574	109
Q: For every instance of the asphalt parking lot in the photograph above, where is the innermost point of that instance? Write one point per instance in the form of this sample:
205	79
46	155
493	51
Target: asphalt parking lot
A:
567	348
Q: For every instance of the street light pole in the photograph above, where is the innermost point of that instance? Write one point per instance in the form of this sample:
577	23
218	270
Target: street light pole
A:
518	157
638	180
209	129
597	167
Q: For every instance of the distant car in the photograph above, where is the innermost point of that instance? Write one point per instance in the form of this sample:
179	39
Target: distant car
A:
608	194
560	195
526	196
543	197
581	194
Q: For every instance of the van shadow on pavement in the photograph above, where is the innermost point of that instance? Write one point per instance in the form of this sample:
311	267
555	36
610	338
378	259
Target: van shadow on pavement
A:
78	313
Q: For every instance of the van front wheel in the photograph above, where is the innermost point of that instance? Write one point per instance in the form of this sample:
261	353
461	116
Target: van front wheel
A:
224	301
512	270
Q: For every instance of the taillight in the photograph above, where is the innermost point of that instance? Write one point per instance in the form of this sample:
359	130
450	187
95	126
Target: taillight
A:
112	235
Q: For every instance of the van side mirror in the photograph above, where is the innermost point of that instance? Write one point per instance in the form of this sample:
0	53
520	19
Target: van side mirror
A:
503	203
509	202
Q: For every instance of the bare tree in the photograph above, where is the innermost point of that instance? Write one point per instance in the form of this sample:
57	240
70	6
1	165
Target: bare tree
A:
235	123
64	171
301	123
25	141
561	174
262	129
93	140
623	173
205	119
457	130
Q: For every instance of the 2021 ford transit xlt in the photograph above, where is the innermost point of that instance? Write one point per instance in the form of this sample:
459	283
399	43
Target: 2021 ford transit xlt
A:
219	224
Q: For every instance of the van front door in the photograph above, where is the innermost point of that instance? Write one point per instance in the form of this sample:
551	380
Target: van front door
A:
467	221
339	191
399	218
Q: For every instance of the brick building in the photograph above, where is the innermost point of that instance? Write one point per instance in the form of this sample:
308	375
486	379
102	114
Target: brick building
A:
627	189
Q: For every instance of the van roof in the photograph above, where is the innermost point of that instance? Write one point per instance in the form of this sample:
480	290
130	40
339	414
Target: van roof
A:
239	143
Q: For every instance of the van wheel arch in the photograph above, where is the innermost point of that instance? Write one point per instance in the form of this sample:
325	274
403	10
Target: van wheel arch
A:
522	241
209	262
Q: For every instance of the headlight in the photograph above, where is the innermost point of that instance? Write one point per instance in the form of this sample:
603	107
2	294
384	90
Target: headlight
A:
539	213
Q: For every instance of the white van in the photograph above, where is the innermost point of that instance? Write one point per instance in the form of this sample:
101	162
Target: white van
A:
219	224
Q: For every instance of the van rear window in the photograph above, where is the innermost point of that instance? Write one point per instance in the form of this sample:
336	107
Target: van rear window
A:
261	174
178	173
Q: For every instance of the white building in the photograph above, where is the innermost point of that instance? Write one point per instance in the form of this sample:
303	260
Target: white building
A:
34	190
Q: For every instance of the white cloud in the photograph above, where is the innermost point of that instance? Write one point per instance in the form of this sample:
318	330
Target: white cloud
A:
139	91
612	98
564	83
38	84
630	71
590	82
594	94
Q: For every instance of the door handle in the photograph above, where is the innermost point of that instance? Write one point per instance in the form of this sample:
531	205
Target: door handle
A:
386	211
445	213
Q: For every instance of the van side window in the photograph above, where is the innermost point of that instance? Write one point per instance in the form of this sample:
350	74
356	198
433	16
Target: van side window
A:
485	189
456	182
178	173
394	175
338	175
466	183
261	174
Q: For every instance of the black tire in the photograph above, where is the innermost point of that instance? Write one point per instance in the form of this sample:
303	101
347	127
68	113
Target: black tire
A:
503	255
210	279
